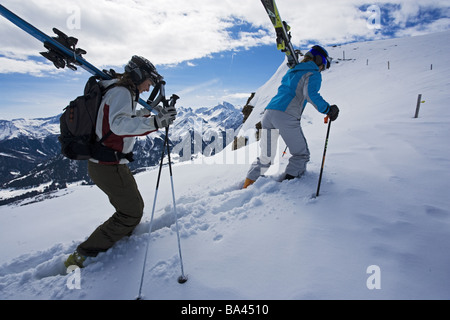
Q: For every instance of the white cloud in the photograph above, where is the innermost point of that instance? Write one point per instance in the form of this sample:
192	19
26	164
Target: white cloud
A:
35	68
238	96
173	31
166	31
436	26
207	84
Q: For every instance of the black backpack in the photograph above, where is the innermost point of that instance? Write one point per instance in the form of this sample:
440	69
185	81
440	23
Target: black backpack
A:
77	126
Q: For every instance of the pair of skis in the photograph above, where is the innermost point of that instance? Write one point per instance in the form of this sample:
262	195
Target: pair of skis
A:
282	30
62	49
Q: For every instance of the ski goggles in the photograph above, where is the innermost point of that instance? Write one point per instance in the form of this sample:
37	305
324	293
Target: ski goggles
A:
326	61
153	76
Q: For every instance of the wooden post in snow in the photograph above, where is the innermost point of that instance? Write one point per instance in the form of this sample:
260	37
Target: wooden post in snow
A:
419	101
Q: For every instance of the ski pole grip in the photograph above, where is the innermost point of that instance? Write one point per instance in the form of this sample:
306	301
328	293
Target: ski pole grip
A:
327	118
173	100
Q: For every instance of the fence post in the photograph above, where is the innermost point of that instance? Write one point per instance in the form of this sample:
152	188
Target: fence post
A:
419	101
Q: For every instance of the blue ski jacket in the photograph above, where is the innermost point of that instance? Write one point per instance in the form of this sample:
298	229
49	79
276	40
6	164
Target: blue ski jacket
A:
299	86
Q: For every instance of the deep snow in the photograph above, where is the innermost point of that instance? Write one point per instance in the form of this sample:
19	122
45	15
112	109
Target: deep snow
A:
384	202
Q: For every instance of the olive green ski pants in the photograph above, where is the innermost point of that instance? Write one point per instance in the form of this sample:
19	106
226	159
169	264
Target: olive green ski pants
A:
118	183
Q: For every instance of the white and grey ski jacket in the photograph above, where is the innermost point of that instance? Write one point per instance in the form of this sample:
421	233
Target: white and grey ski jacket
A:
118	114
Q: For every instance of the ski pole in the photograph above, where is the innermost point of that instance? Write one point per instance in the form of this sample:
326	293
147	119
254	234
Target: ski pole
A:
327	120
166	141
284	152
182	278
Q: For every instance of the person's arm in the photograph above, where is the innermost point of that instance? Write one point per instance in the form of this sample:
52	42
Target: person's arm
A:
121	118
312	94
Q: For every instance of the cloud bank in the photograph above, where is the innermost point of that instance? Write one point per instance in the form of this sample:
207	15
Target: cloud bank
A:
169	32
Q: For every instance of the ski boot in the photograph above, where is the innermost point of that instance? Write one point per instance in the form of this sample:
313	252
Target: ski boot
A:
248	182
75	259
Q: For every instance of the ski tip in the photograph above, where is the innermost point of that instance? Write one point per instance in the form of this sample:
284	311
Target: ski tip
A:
182	279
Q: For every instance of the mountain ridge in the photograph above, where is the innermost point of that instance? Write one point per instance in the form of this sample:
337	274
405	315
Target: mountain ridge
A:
30	151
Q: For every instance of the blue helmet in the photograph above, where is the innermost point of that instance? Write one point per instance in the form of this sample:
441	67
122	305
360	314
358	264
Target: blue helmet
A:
320	56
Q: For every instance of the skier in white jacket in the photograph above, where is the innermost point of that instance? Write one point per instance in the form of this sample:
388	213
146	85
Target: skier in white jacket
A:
118	125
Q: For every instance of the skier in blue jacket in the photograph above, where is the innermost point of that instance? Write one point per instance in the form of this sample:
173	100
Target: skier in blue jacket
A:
299	86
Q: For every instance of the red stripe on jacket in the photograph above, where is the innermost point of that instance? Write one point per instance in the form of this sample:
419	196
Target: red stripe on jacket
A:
114	141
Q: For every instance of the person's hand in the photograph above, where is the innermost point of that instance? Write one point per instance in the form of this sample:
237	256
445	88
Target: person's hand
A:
333	113
165	117
157	109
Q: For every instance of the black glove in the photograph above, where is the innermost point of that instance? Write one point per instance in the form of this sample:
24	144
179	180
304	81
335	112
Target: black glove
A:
333	113
165	117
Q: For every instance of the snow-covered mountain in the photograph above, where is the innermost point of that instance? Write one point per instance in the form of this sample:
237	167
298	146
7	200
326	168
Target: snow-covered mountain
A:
32	128
379	230
26	143
31	163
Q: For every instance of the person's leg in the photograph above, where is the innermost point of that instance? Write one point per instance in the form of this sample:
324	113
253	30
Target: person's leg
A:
118	183
292	134
268	145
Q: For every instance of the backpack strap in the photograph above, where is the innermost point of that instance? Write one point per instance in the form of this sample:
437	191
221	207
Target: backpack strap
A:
105	154
106	136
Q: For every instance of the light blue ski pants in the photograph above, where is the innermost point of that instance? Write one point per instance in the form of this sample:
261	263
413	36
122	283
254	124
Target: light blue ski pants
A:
290	130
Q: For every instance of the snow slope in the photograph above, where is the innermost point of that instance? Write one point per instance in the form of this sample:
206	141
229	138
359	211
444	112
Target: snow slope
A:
384	202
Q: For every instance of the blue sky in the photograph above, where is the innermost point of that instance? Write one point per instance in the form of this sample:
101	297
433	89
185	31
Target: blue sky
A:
208	51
